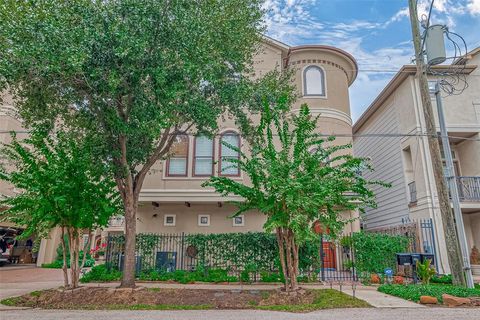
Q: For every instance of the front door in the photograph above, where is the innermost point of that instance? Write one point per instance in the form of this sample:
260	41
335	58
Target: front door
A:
329	256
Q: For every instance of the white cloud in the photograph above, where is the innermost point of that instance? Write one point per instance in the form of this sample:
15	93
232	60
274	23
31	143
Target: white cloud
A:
474	7
290	21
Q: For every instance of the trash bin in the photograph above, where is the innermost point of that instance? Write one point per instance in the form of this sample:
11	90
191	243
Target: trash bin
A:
404	259
416	257
429	256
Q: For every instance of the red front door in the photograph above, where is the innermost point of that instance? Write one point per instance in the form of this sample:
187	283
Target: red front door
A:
329	257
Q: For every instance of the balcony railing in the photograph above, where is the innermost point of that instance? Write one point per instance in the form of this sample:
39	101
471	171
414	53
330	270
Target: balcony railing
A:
468	188
412	188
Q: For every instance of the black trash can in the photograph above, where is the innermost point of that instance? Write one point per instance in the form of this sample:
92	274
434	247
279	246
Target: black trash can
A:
429	256
404	259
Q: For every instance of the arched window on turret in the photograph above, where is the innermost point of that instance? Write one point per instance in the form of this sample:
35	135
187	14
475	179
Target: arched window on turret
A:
313	81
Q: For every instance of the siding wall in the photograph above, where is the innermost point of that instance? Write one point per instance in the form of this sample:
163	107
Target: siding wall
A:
386	159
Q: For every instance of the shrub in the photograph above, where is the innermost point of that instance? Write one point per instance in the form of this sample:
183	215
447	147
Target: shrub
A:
425	271
443	279
181	276
100	273
413	292
58	263
271	277
374	252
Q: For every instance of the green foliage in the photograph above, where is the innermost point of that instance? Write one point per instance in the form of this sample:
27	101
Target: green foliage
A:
413	292
252	252
374	251
136	73
425	270
271	277
297	177
58	263
62	184
291	184
100	274
181	276
443	279
324	299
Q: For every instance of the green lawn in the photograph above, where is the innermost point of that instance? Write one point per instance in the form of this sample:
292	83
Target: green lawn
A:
413	292
325	299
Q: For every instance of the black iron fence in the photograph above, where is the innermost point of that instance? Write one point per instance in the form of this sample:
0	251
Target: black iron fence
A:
348	258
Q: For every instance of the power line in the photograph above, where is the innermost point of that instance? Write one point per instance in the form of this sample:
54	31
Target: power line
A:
341	135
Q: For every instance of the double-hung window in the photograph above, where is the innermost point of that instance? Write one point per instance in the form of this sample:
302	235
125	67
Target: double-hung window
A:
229	151
203	157
178	161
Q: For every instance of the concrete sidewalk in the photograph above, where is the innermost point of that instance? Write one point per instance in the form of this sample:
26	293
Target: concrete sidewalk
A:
328	314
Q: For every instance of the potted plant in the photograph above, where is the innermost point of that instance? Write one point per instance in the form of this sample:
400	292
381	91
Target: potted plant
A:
475	261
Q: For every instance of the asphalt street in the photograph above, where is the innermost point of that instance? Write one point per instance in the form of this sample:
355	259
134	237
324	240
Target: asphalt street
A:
337	314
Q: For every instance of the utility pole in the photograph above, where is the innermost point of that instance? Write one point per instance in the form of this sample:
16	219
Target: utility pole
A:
453	187
451	239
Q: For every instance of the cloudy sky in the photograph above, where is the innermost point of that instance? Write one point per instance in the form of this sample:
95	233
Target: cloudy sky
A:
376	32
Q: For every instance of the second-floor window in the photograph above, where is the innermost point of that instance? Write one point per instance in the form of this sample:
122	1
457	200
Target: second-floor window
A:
313	81
178	162
203	157
227	154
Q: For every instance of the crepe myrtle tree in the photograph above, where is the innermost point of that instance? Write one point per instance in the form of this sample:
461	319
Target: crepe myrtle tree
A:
133	73
60	184
297	177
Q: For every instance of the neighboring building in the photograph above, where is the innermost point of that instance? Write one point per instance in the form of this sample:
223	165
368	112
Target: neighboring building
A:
405	162
172	199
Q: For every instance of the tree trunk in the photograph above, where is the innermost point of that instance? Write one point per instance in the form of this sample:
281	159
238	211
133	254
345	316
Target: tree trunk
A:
128	279
281	252
290	262
295	256
71	245
65	266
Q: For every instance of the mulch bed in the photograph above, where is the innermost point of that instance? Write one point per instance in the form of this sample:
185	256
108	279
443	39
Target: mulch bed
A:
154	298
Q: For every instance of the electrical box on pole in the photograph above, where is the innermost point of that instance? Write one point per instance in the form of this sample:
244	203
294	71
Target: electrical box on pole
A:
435	44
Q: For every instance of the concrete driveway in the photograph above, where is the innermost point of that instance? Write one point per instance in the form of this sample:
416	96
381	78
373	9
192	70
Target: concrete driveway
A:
338	314
21	279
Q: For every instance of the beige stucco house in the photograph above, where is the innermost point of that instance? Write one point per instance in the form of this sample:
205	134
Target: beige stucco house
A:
401	156
172	199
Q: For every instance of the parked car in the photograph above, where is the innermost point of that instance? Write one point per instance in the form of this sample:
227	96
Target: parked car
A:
7	243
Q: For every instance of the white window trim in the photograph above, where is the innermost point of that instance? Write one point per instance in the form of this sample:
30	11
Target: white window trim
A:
239	224
200	216
304	96
166	224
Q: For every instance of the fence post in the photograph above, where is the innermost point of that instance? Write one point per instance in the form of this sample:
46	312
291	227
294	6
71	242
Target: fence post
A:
182	251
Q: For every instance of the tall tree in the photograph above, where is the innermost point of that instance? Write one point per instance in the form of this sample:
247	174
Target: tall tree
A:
134	72
297	178
60	184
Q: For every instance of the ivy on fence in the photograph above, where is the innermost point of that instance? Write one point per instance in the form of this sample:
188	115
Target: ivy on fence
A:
250	252
374	252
